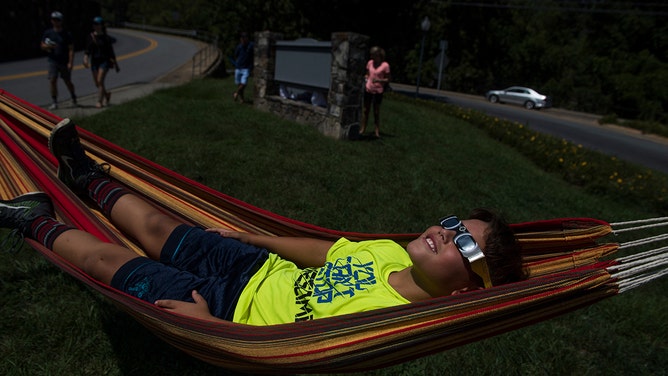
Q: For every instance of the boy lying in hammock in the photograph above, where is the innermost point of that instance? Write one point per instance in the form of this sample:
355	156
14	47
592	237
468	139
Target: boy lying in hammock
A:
218	274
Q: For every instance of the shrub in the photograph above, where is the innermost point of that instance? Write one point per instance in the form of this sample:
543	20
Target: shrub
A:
593	171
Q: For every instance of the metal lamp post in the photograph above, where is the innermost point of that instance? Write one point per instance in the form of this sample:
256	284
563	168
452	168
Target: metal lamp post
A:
425	25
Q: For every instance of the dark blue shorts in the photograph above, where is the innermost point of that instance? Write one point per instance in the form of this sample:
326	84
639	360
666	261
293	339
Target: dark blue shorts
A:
192	259
96	65
375	98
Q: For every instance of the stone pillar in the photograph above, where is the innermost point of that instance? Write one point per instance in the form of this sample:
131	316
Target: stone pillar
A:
264	64
349	57
342	116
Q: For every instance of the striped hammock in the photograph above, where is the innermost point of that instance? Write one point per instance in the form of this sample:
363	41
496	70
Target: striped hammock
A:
563	257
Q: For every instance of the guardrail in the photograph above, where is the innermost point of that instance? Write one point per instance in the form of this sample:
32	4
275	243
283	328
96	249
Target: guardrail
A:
205	60
158	29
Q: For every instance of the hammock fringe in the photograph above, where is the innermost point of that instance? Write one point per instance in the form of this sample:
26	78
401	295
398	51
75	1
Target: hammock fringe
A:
638	269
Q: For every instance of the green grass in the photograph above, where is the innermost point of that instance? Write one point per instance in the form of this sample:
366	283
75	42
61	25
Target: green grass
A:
430	162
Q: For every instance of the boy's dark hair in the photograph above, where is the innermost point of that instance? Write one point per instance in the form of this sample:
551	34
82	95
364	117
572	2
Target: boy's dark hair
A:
502	251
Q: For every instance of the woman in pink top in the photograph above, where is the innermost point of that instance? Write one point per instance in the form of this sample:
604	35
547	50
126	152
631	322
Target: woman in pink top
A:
377	78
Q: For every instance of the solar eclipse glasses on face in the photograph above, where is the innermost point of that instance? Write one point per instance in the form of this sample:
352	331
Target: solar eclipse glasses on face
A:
468	247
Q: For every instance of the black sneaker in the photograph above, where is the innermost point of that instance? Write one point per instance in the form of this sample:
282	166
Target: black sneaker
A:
75	168
21	211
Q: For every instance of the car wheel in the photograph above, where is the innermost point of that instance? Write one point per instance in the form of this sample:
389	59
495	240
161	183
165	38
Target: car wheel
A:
493	98
529	105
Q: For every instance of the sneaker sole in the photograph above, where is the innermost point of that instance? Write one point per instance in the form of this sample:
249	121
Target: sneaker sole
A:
62	124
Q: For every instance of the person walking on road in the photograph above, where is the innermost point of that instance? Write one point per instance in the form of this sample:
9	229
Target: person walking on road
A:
59	45
243	63
100	56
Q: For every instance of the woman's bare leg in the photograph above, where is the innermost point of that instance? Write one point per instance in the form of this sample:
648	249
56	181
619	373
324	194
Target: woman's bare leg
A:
376	118
102	90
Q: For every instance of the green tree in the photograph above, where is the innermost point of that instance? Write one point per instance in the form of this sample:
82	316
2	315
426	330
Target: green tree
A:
598	56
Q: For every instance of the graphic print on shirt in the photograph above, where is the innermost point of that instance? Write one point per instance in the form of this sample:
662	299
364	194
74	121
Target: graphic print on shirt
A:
340	279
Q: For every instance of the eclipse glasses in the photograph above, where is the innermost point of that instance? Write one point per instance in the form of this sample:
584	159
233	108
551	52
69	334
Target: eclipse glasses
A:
468	247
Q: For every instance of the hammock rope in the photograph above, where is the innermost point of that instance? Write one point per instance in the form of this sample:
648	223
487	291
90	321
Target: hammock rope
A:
568	267
643	241
663	221
638	269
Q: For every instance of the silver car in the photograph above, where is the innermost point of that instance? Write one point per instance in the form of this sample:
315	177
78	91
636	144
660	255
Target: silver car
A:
523	96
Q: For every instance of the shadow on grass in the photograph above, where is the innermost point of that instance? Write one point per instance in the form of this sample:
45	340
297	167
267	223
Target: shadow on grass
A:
140	352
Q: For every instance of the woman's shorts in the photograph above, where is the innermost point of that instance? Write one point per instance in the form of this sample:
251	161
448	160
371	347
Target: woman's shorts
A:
375	98
96	65
192	259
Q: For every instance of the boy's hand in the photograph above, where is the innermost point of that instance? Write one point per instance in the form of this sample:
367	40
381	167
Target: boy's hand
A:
241	236
199	309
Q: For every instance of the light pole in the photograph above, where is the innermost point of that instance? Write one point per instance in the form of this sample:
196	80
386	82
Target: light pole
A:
425	25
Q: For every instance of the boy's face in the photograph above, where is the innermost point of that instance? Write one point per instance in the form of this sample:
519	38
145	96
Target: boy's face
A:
437	263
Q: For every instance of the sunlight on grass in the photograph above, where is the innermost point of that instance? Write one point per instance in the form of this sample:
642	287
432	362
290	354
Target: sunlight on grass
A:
433	160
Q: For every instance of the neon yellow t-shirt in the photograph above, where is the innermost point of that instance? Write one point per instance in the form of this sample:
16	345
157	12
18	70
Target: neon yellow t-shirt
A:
354	279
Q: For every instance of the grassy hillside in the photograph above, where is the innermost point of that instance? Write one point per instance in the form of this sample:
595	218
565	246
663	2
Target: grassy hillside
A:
427	164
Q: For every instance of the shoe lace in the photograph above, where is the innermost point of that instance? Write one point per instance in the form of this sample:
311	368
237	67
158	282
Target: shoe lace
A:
12	242
100	170
96	171
104	168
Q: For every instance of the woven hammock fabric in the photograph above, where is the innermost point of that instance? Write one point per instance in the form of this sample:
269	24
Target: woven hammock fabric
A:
562	256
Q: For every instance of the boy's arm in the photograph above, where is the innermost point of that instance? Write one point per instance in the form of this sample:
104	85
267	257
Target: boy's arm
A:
305	252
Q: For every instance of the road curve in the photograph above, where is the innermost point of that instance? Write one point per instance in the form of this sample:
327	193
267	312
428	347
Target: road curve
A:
582	129
143	57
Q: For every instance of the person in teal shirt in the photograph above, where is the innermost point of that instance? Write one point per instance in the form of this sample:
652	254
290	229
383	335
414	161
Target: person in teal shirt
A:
220	274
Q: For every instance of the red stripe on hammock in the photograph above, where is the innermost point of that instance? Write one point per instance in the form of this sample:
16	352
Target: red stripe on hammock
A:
66	201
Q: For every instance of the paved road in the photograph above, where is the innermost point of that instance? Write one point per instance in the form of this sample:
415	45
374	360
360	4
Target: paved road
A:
143	58
625	144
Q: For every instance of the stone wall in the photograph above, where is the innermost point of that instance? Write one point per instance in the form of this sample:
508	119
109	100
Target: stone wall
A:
340	119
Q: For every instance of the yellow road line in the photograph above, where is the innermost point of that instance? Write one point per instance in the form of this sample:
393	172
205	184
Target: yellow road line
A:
151	46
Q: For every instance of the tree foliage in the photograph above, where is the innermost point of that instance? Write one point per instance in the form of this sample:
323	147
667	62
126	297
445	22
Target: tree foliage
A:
601	56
